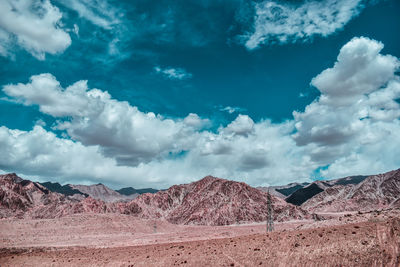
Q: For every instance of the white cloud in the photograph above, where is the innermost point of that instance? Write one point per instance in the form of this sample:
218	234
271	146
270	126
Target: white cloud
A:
353	128
196	122
242	125
173	73
283	23
98	12
94	118
232	110
42	154
33	25
131	143
110	22
355	121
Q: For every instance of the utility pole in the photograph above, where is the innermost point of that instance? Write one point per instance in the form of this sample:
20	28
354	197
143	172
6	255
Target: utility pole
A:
270	215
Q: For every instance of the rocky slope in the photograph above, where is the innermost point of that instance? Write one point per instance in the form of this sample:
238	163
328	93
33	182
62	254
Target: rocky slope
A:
305	193
214	201
23	198
374	192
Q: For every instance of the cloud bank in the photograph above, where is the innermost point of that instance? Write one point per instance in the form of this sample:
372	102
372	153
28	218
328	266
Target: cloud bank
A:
352	128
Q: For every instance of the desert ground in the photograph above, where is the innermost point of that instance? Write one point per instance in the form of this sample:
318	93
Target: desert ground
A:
343	239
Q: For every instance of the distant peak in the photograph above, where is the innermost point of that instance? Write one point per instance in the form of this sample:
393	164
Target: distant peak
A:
12	176
210	177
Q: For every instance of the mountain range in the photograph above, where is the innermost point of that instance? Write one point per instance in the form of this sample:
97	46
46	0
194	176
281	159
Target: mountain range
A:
209	201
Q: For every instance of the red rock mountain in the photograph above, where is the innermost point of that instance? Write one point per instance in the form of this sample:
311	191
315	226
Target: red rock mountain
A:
374	192
210	201
23	198
214	201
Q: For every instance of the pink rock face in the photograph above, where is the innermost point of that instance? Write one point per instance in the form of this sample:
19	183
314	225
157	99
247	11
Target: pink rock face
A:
24	198
214	201
375	192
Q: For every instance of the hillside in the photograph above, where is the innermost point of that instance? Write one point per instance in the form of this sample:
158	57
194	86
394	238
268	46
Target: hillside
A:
374	192
214	201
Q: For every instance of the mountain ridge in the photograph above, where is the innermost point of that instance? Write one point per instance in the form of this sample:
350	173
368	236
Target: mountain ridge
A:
209	201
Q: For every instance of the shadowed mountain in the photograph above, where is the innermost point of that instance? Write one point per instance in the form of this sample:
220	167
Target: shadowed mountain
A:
62	189
282	191
303	194
291	188
127	191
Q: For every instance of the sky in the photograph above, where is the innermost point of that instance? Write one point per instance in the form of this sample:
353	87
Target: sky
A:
155	93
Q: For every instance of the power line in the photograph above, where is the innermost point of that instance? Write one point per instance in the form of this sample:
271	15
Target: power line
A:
270	215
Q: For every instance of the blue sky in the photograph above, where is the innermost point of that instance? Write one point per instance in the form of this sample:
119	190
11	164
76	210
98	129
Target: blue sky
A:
191	88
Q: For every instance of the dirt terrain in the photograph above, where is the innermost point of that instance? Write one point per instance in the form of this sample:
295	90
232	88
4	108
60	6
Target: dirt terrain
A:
355	239
209	222
111	230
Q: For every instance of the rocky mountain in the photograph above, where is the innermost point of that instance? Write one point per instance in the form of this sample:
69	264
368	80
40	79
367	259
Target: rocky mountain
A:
305	193
62	189
127	191
210	201
23	198
289	189
214	201
373	192
283	191
302	195
102	192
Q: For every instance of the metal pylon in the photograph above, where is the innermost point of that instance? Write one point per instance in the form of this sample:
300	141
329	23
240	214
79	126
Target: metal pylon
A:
270	215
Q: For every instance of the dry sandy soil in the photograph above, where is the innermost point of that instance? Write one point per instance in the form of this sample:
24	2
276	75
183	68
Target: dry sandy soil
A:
369	239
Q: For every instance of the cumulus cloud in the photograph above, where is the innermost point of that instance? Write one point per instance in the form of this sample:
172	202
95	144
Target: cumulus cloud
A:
33	25
144	144
94	118
196	122
40	153
356	118
173	73
277	22
242	125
